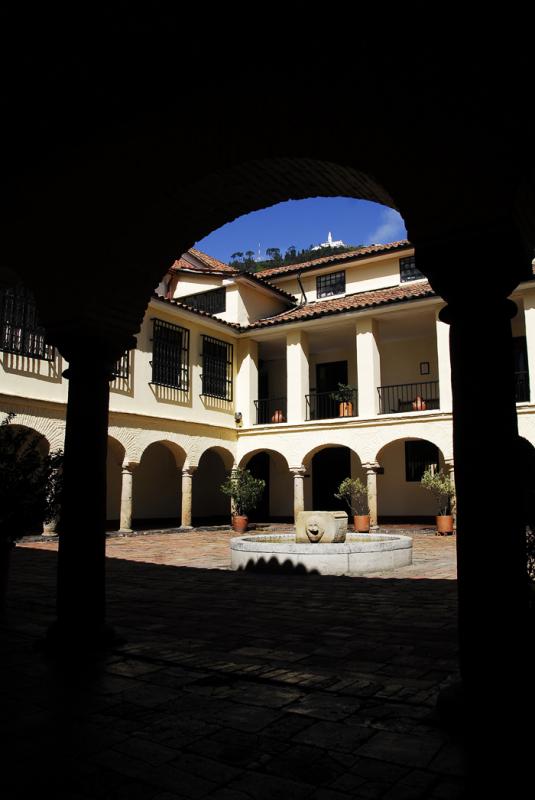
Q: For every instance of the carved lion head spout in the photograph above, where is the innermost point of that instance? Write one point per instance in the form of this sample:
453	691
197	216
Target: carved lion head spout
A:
314	529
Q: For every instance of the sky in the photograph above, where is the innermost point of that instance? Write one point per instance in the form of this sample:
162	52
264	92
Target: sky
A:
305	222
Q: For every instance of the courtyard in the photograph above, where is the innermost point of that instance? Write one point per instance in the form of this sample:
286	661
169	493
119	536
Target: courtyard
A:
234	685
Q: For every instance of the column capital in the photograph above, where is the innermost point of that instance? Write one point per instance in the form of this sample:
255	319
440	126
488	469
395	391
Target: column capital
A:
298	472
188	471
449	462
462	309
129	466
371	466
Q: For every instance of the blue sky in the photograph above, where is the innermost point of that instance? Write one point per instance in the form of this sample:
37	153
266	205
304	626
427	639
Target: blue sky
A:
305	222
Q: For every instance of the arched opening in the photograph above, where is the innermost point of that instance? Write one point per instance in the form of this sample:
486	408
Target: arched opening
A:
209	505
114	462
400	497
276	504
157	486
25	450
326	468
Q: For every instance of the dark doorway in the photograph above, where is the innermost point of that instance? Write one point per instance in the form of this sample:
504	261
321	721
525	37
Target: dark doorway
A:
258	466
520	353
329	468
328	376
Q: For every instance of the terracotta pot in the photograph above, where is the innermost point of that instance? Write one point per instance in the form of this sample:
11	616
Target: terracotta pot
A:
239	524
361	523
418	404
278	416
444	525
345	410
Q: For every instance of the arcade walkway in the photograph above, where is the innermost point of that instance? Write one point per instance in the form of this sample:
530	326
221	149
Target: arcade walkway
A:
233	686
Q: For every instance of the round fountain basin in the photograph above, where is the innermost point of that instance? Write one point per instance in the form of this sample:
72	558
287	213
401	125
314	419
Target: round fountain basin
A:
360	554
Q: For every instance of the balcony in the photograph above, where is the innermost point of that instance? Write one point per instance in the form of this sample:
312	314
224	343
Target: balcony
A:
402	397
323	405
270	410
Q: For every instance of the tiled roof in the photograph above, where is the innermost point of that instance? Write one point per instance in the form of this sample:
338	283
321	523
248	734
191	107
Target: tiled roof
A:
234	325
359	252
208	263
352	302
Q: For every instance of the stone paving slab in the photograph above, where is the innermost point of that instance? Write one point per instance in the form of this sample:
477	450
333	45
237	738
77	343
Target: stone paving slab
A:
234	685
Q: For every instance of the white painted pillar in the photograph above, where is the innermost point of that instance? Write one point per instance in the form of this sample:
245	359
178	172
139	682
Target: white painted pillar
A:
299	489
187	480
368	367
371	478
529	318
298	382
127	470
247	381
444	366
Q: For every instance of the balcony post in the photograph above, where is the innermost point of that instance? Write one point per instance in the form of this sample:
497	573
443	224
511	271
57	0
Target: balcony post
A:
187	485
368	366
299	489
127	470
297	381
247	381
444	364
372	469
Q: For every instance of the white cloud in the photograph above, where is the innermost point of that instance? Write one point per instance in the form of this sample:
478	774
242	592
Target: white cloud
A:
390	229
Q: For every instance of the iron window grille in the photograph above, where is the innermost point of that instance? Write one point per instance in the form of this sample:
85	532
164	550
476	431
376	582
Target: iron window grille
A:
216	368
408	270
419	456
212	302
20	332
334	283
122	367
170	355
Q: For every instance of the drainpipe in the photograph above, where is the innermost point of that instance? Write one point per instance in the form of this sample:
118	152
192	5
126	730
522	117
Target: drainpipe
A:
303	300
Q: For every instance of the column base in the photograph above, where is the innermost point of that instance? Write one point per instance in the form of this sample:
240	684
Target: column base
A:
125	530
64	638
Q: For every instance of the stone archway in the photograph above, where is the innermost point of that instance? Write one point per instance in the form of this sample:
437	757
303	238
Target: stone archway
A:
209	505
277	501
157	492
327	465
400	497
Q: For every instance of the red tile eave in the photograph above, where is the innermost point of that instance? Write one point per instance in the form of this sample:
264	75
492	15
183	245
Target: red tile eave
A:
352	255
348	304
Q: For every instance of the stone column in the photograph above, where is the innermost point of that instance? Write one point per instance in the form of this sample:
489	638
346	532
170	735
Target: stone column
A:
449	469
368	367
444	364
297	375
299	489
81	600
187	480
126	496
529	320
371	477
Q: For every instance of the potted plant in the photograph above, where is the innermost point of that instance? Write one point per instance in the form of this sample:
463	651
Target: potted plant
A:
443	490
244	491
29	490
344	395
355	493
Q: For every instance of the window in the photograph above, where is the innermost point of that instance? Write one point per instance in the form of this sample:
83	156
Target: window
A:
170	355
122	367
334	283
213	302
408	271
216	368
419	456
20	332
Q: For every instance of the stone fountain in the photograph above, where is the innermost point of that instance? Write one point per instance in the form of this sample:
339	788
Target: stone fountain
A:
322	544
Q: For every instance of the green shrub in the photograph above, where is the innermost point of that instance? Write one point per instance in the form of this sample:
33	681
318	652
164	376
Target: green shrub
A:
30	483
244	490
355	493
442	488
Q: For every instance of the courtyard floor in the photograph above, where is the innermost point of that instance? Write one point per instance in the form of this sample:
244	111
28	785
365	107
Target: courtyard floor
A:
234	685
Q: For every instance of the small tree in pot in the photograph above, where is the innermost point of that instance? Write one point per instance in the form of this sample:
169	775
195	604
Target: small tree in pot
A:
344	395
355	493
244	491
30	489
443	490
